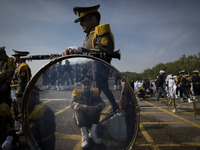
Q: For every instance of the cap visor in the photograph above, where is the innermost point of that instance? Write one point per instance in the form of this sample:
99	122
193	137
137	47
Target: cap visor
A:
77	20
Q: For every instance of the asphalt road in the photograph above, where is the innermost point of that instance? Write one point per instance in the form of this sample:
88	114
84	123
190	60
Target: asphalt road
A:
159	128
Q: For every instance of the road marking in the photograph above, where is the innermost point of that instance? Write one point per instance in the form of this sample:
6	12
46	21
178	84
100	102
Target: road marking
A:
168	144
151	112
47	101
148	137
62	110
190	122
143	123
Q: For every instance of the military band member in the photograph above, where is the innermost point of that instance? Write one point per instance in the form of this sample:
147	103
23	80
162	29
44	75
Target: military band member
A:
41	120
87	105
20	79
182	80
161	84
141	93
99	38
196	82
7	132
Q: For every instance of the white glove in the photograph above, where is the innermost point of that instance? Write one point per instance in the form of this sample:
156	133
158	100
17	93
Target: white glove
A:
79	49
7	144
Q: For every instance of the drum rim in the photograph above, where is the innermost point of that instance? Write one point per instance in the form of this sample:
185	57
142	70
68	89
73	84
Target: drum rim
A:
26	127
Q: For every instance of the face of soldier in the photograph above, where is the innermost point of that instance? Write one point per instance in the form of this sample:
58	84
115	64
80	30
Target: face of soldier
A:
16	59
87	23
86	86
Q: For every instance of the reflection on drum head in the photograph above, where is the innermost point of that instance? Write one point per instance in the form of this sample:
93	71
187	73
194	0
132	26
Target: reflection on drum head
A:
117	127
53	96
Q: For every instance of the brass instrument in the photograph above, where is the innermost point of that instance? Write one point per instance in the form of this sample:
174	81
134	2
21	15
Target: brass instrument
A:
102	55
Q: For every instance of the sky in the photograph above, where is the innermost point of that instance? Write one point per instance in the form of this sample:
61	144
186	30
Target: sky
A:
147	32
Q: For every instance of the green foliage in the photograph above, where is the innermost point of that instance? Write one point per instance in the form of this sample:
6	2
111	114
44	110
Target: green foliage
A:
187	63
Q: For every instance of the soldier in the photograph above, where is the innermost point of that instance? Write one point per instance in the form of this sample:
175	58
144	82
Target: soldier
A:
7	132
68	73
172	86
161	82
141	93
20	79
182	80
41	120
87	105
99	38
177	86
196	82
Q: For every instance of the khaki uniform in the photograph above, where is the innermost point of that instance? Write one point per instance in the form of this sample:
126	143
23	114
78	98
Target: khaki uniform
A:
7	68
100	38
20	79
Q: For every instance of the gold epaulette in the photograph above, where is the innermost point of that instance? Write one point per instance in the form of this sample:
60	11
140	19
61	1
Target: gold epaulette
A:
23	67
38	111
102	29
77	92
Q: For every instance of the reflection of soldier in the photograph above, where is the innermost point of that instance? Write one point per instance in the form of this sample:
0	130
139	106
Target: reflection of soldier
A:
127	105
45	80
68	73
87	105
20	79
53	77
60	82
77	71
42	121
7	132
196	82
117	82
101	76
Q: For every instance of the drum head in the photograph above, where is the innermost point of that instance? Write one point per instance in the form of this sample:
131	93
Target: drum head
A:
49	121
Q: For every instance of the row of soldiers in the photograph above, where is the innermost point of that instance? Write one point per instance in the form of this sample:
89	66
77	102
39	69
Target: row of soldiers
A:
187	85
14	76
180	85
62	76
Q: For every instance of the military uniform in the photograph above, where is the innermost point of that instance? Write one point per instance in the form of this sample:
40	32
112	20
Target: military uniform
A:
182	80
141	93
20	79
90	98
196	82
42	121
87	106
99	38
21	76
7	68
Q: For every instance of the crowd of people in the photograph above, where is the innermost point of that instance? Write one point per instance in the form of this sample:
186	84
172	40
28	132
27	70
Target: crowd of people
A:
180	86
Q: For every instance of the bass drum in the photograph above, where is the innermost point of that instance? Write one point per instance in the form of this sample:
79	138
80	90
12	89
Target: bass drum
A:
48	117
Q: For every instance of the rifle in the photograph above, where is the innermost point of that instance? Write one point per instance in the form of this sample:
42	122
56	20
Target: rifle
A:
115	54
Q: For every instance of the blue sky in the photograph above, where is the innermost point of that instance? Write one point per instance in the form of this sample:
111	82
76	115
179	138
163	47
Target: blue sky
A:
147	32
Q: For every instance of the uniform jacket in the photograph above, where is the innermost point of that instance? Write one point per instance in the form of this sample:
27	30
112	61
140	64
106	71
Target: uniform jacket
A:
90	98
20	79
100	38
